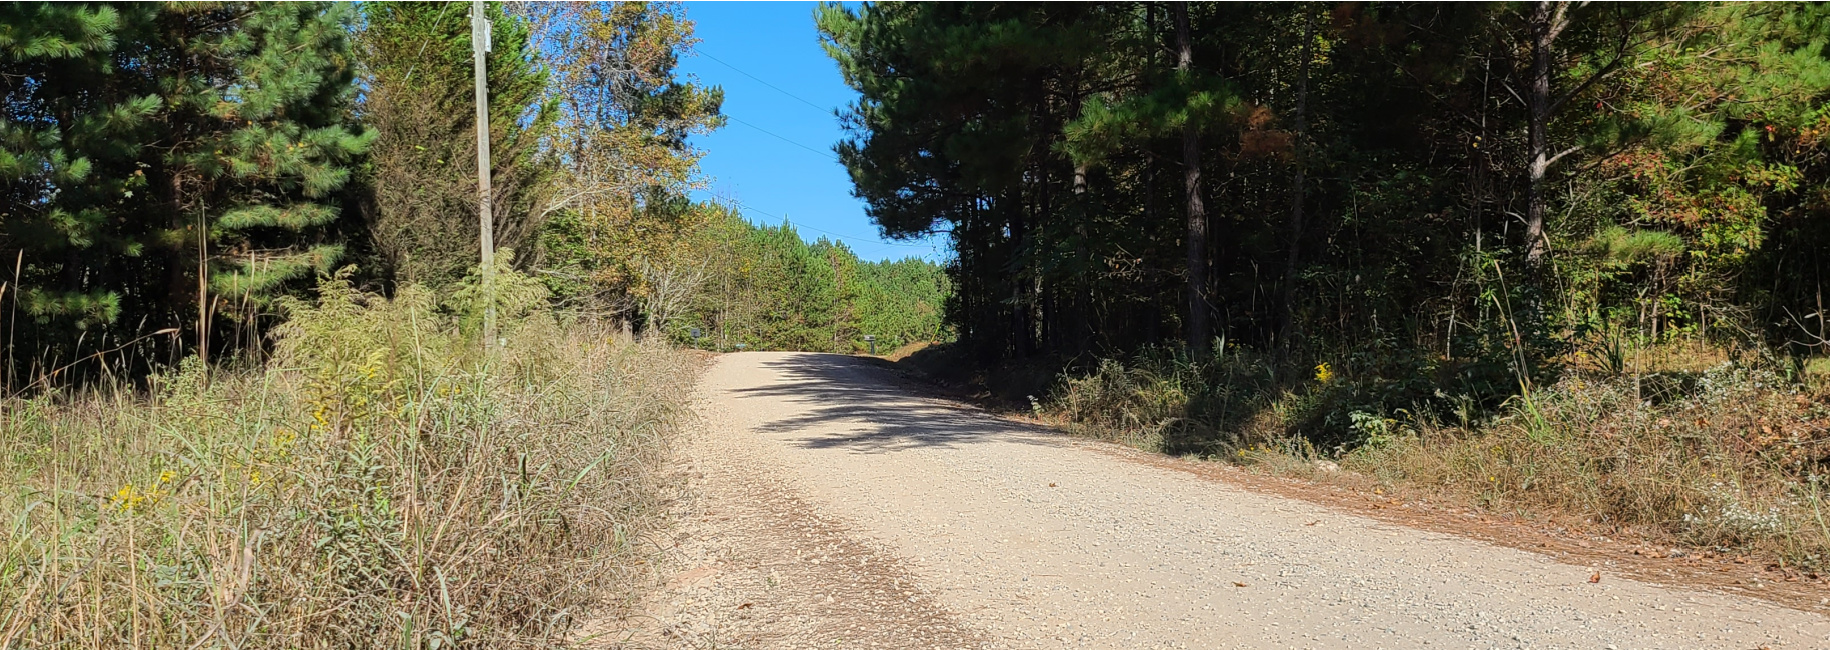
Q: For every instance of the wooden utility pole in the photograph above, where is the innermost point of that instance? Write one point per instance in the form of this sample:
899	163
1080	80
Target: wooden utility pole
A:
480	46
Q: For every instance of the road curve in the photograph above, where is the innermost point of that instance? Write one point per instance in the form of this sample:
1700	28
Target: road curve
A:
1034	540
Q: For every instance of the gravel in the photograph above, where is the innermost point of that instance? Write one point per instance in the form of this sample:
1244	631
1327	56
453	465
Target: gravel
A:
939	525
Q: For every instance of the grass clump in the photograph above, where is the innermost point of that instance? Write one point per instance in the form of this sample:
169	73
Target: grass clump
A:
1731	457
1730	454
378	483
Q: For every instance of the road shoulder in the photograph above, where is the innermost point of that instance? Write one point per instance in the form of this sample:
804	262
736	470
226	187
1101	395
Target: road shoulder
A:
748	563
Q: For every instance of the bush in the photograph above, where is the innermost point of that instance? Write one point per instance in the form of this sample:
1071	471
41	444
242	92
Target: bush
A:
378	483
1731	457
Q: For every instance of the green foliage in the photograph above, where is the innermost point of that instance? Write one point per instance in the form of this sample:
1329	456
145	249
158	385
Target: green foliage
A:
1685	153
417	65
142	145
900	302
624	136
1620	246
375	485
766	288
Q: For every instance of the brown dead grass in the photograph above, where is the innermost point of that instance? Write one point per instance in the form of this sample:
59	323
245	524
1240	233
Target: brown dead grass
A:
377	485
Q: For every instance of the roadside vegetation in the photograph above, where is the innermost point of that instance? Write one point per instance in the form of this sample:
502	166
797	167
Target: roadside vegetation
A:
246	401
766	288
1709	452
379	482
1544	257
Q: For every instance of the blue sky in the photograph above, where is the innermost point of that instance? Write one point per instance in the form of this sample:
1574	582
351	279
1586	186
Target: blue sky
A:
774	156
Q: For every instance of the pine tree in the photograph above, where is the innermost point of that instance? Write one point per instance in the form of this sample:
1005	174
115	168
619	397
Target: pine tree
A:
69	159
167	165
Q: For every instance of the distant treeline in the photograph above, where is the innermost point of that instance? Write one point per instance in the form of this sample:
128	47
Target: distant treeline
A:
764	287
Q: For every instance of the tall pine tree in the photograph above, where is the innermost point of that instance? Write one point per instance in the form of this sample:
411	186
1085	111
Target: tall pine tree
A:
168	166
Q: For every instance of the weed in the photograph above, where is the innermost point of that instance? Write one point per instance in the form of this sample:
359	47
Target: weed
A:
1726	453
380	483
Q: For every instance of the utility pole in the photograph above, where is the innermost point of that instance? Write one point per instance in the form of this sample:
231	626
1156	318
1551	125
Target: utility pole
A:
480	46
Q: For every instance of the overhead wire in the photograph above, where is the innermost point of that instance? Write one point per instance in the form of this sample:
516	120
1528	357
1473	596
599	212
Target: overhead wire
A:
783	138
877	242
775	88
759	80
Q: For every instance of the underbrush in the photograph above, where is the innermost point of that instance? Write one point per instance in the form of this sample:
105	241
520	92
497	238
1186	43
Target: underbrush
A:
1730	458
378	484
1727	454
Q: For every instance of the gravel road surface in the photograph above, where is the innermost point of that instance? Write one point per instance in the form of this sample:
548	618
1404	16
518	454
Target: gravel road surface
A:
838	509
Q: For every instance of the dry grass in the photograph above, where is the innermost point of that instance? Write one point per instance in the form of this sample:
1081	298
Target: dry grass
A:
376	485
907	349
1730	458
1684	444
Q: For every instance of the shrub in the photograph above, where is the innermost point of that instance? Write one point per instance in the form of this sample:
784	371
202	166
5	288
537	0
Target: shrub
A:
379	483
1731	457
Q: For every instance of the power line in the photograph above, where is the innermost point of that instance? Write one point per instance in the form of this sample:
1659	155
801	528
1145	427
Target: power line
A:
759	80
876	241
776	89
879	240
784	139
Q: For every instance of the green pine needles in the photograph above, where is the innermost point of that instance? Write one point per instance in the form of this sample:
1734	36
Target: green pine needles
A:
158	156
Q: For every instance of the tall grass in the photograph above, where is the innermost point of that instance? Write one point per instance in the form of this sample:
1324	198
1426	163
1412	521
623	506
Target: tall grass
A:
1726	454
378	484
1731	457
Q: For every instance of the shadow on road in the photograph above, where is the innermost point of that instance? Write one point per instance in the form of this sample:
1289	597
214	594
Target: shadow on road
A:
852	404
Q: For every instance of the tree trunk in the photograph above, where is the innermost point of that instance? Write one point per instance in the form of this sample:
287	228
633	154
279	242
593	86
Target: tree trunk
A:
1197	330
1021	338
1083	294
1297	179
1547	20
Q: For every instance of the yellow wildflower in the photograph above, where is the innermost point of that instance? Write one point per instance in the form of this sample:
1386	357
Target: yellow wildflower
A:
131	497
1323	373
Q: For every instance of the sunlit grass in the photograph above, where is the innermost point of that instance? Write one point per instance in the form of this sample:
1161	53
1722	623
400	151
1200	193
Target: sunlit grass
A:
376	485
1725	454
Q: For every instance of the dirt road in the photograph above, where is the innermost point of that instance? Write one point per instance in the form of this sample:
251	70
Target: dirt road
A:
834	509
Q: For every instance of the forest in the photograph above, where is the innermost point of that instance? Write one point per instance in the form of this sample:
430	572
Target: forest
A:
1325	176
248	400
1547	260
1551	255
1481	188
169	176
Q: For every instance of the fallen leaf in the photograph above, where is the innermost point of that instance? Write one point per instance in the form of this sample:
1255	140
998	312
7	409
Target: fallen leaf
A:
1239	584
1595	578
746	605
1051	485
1312	523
